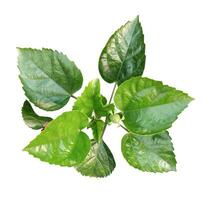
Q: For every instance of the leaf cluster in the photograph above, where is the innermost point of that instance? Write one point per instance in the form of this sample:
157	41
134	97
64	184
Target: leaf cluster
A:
144	107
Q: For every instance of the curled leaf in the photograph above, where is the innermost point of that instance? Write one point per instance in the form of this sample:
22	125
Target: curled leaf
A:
92	101
33	120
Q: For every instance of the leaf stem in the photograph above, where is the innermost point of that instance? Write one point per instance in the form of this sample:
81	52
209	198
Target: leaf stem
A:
112	94
106	120
73	96
124	128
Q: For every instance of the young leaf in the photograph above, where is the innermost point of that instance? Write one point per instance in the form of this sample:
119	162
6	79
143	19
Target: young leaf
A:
92	101
149	106
33	120
99	162
149	153
49	78
97	129
104	100
62	142
124	54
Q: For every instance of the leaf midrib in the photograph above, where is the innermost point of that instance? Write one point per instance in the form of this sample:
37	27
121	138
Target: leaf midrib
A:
153	106
126	52
94	159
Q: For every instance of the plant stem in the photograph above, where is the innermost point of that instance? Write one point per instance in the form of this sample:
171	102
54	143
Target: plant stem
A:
123	128
106	120
73	96
112	94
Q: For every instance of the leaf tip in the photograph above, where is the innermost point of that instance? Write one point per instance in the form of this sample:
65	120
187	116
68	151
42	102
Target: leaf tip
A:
26	148
136	19
19	49
191	98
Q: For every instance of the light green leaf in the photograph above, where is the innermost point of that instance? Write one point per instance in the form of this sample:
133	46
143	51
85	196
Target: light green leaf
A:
149	106
62	142
149	153
49	78
33	120
99	162
97	126
124	54
92	101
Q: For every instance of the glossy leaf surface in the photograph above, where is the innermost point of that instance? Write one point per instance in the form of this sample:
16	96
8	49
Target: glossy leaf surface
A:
33	120
62	142
99	162
49	78
149	153
149	106
124	54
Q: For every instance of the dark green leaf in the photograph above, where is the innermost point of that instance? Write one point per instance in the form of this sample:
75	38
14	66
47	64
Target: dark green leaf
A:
49	78
99	162
62	142
124	54
92	101
149	106
104	100
149	153
33	120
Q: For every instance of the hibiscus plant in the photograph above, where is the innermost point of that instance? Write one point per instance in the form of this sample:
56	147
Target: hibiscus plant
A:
143	107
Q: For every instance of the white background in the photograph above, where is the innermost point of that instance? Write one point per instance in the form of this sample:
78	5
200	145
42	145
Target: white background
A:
178	49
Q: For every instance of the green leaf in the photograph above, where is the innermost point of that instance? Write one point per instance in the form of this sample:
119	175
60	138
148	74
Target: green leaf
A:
124	54
149	153
99	162
62	142
104	100
33	120
92	101
97	126
49	78
149	106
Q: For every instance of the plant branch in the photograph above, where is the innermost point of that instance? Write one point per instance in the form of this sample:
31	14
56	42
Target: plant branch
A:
73	96
106	120
124	128
112	94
